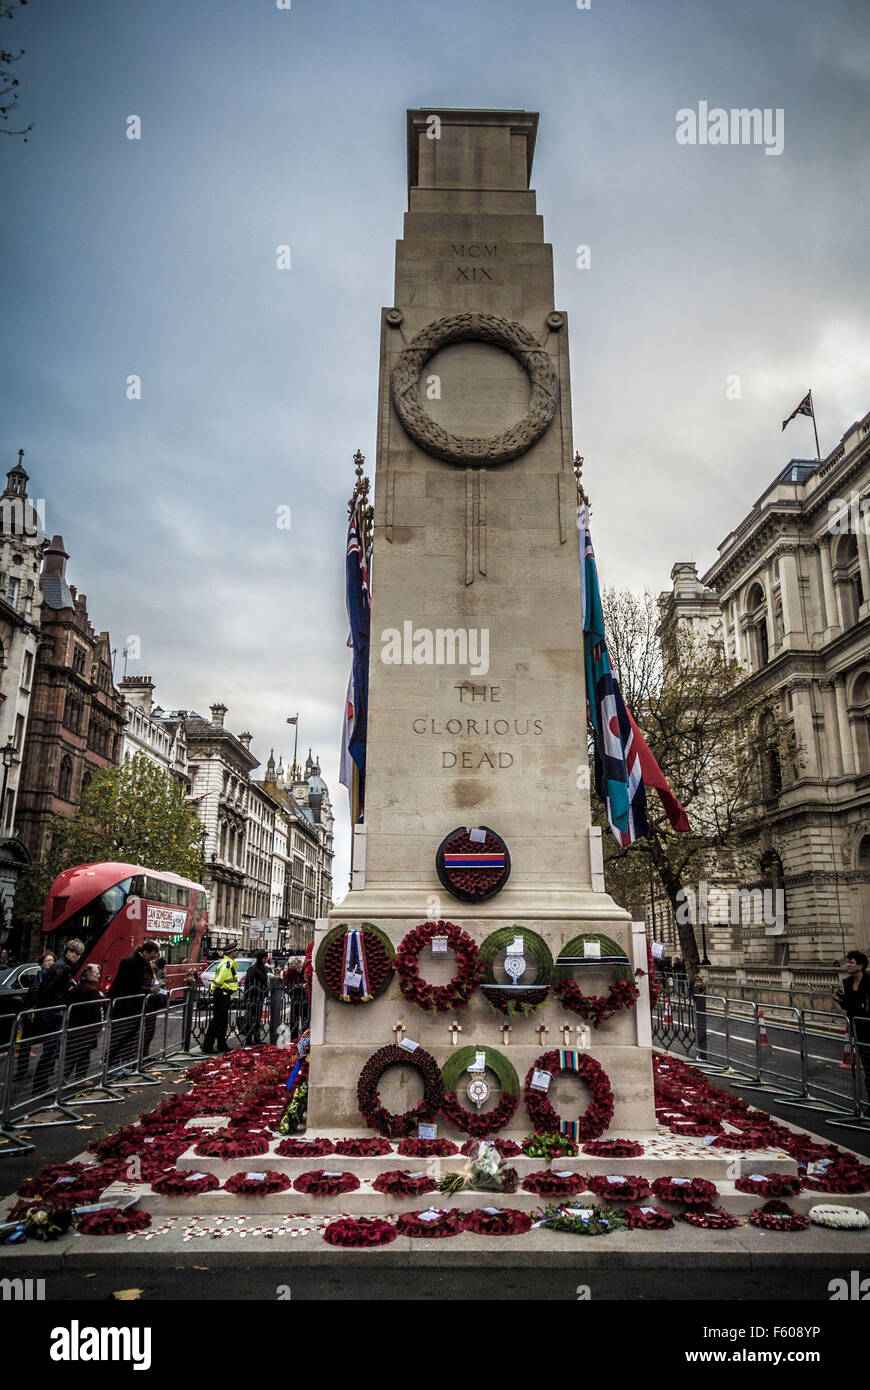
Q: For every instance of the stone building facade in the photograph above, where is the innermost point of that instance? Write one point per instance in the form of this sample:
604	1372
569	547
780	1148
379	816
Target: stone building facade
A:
22	537
150	730
76	721
789	597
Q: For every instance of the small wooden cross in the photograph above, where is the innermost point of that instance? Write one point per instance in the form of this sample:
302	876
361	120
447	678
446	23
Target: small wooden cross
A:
455	1029
541	1030
398	1029
566	1034
505	1029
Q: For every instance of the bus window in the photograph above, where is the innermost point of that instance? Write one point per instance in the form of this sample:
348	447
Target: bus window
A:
182	895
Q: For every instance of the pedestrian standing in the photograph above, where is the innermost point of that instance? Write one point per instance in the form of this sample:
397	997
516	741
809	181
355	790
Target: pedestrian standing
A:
52	995
854	999
223	987
256	993
129	989
88	1006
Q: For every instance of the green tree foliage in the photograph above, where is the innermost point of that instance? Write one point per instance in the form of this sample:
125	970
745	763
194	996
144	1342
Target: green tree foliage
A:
135	813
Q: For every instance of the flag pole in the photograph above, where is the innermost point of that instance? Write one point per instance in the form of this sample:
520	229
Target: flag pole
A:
295	739
815	431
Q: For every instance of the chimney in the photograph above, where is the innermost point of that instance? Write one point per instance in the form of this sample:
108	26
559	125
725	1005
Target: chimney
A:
245	740
138	691
54	559
217	714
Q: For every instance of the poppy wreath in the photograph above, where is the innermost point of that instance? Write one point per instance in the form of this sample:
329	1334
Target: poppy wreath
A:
594	1121
237	1146
447	1223
479	1125
359	1232
506	1148
514	998
438	998
594	1009
427	1148
613	1148
632	1189
694	1127
549	1146
363	1148
368	1098
379	954
401	1183
505	1222
319	1184
243	1184
111	1221
470	870
181	1184
778	1216
692	1193
743	1142
648	1219
841	1175
771	1185
298	1148
548	1184
710	1218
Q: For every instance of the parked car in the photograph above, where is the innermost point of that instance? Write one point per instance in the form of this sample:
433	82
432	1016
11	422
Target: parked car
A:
15	980
242	964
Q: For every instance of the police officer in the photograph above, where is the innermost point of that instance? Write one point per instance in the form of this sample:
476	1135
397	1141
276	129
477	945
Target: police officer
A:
223	986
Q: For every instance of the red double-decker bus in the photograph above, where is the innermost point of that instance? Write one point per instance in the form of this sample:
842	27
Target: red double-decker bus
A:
112	908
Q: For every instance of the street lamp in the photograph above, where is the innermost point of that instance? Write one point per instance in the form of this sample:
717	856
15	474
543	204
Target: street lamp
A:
10	758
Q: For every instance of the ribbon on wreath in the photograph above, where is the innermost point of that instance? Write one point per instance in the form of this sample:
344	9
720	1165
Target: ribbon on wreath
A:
355	978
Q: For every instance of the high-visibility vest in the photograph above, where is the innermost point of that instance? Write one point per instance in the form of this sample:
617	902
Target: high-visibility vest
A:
225	977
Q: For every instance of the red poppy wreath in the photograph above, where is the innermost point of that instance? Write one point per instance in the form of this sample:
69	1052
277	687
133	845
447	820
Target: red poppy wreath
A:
594	1121
506	1221
111	1221
688	1192
375	1114
401	1183
359	1232
323	1184
257	1184
619	1188
438	998
778	1216
648	1219
548	1184
430	1225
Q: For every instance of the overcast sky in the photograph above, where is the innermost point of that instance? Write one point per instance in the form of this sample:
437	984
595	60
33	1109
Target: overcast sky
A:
263	127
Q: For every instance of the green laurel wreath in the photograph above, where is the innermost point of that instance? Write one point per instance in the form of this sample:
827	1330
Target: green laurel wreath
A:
508	998
496	1062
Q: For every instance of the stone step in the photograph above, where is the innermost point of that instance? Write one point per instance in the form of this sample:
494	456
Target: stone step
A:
365	1201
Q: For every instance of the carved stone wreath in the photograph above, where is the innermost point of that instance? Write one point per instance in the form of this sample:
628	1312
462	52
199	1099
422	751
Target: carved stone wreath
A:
482	451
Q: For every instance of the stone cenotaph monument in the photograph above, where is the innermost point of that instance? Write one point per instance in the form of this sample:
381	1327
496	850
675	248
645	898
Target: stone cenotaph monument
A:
477	806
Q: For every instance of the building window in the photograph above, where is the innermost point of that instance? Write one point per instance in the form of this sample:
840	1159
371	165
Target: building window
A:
771	769
19	732
86	782
859	715
64	781
78	658
72	713
847	578
12	587
756	608
27	669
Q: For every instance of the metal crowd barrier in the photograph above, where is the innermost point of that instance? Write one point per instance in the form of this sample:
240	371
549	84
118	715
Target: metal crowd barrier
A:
58	1054
812	1059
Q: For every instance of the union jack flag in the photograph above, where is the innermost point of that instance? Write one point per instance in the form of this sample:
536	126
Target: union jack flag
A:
805	408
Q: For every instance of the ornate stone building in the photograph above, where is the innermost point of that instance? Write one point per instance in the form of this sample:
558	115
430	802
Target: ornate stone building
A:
76	721
789	595
22	537
150	730
307	823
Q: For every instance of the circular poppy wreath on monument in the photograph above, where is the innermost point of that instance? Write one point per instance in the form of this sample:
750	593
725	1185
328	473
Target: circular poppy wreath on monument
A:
594	1009
375	1114
484	450
472	868
594	1120
355	965
516	997
438	998
476	1123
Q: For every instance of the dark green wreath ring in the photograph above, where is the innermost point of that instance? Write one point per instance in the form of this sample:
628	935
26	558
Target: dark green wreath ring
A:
594	1009
380	955
480	1124
518	998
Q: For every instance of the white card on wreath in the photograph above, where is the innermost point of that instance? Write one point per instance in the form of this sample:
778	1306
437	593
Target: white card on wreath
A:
352	979
427	1131
256	1177
439	945
479	1063
541	1080
658	950
517	947
408	1045
477	837
592	948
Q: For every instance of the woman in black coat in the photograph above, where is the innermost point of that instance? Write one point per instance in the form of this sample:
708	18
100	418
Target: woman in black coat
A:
256	994
854	999
89	1007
